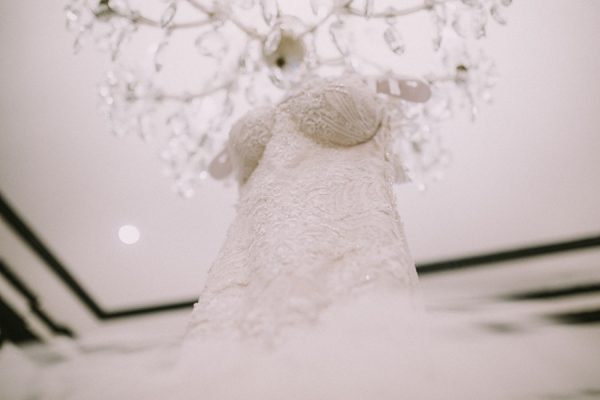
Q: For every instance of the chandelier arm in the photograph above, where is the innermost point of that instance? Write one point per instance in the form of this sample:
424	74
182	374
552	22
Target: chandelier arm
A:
191	24
248	31
332	61
140	19
426	5
319	23
187	97
201	7
348	10
218	15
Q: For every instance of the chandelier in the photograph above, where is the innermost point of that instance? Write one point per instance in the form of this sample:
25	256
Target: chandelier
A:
182	71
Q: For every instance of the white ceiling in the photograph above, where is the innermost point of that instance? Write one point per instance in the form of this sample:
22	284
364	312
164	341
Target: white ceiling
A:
525	173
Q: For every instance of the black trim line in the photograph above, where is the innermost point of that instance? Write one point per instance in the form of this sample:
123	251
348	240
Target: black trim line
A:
13	327
582	317
508	255
32	301
131	312
557	292
27	235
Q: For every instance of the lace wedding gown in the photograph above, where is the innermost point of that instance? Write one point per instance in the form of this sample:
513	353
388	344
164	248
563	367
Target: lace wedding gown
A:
315	268
312	295
316	220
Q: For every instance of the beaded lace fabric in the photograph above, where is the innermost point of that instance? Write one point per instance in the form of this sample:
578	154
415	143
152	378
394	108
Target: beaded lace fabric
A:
316	220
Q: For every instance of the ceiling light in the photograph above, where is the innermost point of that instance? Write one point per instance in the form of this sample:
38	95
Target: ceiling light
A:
129	234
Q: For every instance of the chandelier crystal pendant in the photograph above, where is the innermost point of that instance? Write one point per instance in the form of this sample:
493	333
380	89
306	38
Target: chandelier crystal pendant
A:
182	71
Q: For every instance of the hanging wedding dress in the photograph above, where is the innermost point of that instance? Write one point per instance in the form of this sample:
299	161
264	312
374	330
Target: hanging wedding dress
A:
315	269
313	295
316	220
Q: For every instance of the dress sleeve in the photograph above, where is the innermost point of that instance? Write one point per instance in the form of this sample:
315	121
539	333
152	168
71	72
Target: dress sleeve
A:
343	112
247	141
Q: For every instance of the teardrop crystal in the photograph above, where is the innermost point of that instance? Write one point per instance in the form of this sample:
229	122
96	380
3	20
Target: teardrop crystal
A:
497	15
272	41
479	23
168	15
250	94
72	15
120	6
436	41
394	40
157	52
336	30
368	10
320	7
461	24
270	11
440	15
211	44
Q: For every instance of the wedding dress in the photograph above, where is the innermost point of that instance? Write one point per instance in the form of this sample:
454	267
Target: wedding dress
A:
315	264
316	219
314	292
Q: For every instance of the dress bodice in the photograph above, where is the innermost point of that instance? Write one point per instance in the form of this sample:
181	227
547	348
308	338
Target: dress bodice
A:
342	112
316	218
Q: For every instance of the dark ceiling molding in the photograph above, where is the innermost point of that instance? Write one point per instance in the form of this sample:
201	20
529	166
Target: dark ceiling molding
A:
34	242
554	293
132	312
488	259
32	301
509	255
581	317
13	327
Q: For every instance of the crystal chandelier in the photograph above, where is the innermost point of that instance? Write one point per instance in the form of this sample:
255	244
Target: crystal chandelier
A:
204	63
